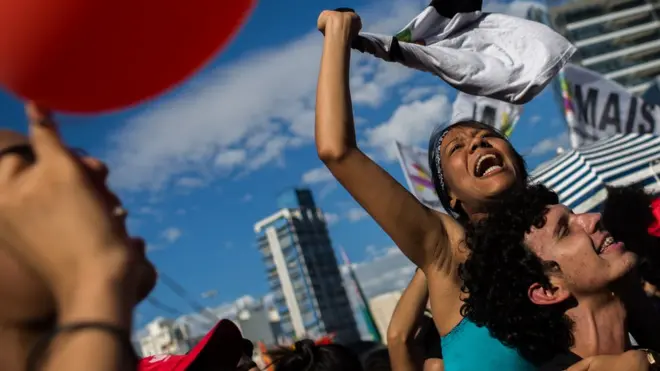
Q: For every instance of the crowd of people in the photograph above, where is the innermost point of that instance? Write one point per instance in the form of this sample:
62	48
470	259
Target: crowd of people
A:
514	280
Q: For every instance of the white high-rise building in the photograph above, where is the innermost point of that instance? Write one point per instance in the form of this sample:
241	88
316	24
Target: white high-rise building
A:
302	271
164	336
619	39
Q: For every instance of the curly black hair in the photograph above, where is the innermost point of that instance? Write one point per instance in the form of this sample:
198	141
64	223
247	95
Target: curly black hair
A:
627	216
500	270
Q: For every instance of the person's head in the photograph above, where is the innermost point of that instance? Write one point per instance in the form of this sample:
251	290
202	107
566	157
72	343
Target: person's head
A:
305	355
531	260
471	165
377	360
26	298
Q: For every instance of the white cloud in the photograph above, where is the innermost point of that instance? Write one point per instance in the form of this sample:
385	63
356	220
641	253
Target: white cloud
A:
171	234
535	119
410	123
356	214
549	145
386	270
147	210
317	175
331	218
247	197
373	90
190	182
230	158
414	93
248	112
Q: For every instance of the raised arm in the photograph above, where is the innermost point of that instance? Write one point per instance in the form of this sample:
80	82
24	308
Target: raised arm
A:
420	233
404	354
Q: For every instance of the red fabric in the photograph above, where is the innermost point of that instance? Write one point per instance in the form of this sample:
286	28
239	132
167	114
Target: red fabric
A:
224	342
654	228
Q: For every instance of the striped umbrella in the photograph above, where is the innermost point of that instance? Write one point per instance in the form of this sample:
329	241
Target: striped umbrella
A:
580	176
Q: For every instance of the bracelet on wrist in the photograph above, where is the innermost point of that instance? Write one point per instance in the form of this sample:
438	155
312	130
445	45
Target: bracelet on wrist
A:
40	348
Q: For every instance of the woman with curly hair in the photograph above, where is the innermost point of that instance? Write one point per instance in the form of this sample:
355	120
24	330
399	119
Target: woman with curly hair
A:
472	165
550	283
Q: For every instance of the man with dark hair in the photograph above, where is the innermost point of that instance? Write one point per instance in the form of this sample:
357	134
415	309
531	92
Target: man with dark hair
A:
543	280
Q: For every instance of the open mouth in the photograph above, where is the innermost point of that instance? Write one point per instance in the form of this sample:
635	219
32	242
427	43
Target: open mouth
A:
608	244
487	164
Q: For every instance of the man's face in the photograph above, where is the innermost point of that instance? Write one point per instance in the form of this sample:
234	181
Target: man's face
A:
588	257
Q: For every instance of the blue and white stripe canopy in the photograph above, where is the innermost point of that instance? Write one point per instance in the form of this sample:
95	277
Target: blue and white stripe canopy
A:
580	176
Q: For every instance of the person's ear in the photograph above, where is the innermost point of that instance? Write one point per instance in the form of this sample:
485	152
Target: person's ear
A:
541	295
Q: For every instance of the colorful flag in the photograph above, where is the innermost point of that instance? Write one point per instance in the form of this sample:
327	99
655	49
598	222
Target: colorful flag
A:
363	302
414	163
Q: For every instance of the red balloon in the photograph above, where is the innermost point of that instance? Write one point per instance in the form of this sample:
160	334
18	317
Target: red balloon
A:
98	55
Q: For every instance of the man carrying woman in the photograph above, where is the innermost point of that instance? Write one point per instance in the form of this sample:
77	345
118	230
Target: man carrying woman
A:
555	285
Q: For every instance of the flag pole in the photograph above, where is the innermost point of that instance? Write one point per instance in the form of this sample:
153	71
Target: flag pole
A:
366	309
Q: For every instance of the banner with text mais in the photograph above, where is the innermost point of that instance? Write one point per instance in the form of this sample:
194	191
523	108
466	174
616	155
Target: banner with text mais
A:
596	107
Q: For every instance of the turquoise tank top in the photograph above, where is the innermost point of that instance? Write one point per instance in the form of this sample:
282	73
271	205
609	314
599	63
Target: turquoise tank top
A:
471	348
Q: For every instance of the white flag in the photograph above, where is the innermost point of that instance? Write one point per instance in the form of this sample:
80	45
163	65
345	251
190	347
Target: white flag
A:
486	54
415	165
596	107
501	115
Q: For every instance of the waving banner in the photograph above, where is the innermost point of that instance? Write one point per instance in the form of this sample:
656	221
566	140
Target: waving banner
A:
501	115
597	108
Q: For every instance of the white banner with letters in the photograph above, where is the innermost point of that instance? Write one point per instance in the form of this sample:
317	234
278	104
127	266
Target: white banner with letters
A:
597	108
501	115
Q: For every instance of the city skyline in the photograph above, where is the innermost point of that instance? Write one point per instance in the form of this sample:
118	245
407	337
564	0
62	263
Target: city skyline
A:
197	167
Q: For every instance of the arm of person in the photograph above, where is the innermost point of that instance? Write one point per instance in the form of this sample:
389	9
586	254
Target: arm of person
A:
98	298
423	235
404	356
633	360
434	364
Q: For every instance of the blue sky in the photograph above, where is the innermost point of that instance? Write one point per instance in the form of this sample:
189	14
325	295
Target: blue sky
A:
200	165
